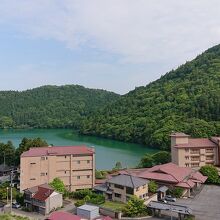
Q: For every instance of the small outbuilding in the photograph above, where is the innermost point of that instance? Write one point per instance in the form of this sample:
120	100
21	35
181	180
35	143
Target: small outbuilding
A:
88	211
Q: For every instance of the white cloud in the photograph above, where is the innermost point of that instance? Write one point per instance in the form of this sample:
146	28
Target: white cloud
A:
136	30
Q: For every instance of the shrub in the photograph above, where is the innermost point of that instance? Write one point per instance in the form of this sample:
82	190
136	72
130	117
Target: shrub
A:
81	194
152	186
79	203
97	199
135	207
211	172
99	174
176	192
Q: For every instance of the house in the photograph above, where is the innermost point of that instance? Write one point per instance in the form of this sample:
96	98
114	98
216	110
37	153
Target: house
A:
170	175
60	215
74	165
121	187
42	199
194	152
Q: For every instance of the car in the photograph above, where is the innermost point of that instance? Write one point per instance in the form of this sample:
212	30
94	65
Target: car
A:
15	205
170	198
163	200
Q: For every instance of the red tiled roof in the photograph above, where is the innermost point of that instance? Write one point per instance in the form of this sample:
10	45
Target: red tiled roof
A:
170	173
61	150
59	215
43	193
197	142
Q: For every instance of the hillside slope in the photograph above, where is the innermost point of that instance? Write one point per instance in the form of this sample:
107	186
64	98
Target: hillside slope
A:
51	106
187	99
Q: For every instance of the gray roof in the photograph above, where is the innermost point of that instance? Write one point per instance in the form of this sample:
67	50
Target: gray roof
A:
162	189
88	207
103	188
128	181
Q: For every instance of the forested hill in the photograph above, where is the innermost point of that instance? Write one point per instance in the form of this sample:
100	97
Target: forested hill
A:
51	106
186	99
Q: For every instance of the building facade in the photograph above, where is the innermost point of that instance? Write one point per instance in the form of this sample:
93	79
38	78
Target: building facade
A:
74	165
194	152
121	187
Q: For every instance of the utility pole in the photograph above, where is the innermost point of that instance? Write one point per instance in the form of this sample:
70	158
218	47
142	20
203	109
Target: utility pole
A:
11	192
7	195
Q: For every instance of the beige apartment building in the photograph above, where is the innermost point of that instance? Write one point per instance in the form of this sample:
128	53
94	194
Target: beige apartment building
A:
74	165
194	152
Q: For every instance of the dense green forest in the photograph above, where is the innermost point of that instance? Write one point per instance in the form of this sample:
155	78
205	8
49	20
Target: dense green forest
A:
50	106
186	99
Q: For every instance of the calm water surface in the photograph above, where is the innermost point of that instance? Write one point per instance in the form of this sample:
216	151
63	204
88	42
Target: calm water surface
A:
108	152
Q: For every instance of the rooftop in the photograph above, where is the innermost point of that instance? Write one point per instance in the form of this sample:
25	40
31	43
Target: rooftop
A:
197	142
88	207
179	134
59	150
128	181
59	215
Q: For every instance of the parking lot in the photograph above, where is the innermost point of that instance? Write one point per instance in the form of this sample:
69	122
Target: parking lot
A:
205	205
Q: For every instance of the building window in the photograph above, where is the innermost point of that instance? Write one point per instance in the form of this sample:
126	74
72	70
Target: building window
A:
138	188
88	176
187	165
65	157
78	177
129	191
32	163
42	174
195	158
194	151
88	161
186	149
46	174
78	161
46	158
187	157
117	195
119	186
194	165
32	179
65	172
42	158
209	150
209	157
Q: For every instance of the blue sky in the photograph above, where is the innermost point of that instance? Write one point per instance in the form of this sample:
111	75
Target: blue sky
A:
113	44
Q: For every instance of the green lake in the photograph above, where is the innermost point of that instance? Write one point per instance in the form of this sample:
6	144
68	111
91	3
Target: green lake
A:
108	152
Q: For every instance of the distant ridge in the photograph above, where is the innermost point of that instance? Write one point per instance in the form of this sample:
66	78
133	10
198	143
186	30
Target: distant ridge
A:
50	106
186	99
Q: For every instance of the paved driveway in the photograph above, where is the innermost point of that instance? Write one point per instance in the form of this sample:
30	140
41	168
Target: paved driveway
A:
205	205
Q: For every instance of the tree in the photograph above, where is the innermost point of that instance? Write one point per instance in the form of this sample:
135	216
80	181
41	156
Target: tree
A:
161	157
152	186
118	166
177	192
146	161
211	172
8	151
58	185
26	144
135	207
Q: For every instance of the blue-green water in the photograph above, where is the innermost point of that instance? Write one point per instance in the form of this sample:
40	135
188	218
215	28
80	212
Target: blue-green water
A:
108	152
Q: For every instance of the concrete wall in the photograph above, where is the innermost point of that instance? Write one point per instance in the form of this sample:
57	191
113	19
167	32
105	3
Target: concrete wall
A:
140	192
54	201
